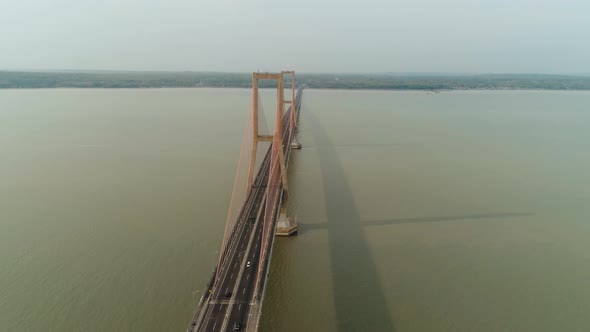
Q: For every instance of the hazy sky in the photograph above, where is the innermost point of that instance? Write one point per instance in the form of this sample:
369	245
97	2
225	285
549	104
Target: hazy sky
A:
539	36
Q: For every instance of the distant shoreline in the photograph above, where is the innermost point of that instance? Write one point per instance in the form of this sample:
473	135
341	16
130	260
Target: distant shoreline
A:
385	82
425	91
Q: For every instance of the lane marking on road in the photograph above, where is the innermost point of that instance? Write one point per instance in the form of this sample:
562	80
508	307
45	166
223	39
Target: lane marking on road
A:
244	291
232	276
214	325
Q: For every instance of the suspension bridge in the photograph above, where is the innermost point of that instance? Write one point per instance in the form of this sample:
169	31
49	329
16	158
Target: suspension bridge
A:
234	295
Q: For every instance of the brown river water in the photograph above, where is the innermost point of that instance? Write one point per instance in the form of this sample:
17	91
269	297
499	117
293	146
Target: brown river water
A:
418	211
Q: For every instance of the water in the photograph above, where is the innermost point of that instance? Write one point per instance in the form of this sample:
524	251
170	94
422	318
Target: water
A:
457	211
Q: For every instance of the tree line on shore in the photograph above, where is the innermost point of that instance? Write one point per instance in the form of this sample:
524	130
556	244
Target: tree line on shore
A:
107	79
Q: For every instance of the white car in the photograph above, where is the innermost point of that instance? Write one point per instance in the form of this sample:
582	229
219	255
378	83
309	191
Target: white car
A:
248	264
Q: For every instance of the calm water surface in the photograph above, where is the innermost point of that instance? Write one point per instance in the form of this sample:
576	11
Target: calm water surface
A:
456	211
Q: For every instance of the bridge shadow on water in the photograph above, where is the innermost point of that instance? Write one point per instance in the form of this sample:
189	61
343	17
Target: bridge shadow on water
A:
358	297
386	222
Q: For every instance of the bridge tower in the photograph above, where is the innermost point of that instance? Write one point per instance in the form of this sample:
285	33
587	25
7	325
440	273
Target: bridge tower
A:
256	215
286	225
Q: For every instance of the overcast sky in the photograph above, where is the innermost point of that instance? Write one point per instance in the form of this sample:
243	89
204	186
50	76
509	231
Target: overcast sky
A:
467	36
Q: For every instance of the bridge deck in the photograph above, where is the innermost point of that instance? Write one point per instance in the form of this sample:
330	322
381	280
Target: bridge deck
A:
233	299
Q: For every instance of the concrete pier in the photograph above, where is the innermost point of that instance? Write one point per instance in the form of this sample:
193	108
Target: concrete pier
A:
295	143
286	226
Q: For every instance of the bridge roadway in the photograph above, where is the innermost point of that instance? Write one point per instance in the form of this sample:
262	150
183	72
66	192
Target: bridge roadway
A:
232	300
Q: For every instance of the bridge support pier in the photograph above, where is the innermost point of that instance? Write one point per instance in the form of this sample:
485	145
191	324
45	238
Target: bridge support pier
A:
286	225
295	144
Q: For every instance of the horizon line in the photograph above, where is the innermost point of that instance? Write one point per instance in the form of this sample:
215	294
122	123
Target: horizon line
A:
416	73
